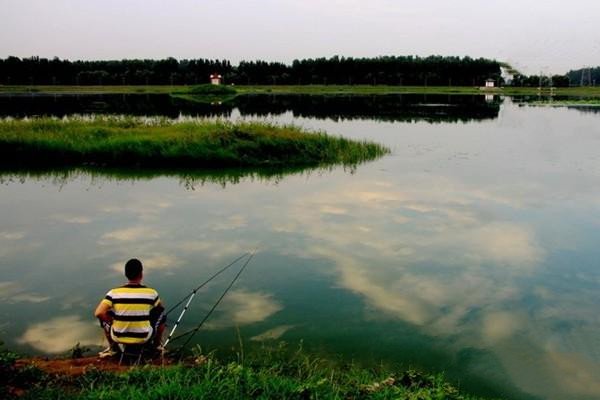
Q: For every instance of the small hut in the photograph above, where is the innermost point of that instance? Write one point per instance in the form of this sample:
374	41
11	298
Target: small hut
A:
490	83
215	79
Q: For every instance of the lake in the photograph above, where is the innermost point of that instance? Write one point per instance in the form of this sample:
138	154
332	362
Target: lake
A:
471	249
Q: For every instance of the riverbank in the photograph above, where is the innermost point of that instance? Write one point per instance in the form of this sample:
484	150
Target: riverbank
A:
160	142
271	373
182	90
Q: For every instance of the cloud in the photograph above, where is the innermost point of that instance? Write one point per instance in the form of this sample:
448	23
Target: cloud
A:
501	325
78	220
230	223
330	209
71	219
272	334
12	235
147	209
130	234
242	307
152	262
216	250
60	334
12	292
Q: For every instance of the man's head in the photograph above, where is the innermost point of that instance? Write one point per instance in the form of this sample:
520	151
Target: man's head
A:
133	269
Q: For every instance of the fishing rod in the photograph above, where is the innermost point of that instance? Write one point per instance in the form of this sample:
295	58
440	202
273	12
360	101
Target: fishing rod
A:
190	296
192	332
219	272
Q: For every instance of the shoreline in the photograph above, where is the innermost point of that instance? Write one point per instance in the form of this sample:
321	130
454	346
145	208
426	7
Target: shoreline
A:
275	371
302	89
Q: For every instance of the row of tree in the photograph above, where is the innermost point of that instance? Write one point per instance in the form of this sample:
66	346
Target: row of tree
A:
391	70
585	76
388	70
540	80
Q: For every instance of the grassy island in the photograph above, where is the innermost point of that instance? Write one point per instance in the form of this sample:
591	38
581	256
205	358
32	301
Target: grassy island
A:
206	94
268	374
160	142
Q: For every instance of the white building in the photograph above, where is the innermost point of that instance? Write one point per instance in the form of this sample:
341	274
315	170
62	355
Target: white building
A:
490	83
215	79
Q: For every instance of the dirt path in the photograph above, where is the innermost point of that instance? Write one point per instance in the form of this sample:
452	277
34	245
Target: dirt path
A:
78	366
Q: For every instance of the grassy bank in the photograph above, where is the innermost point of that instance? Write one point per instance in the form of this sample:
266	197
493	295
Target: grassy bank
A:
207	93
301	89
142	142
271	373
592	102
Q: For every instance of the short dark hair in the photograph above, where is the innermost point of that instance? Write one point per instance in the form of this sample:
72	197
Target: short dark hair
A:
133	268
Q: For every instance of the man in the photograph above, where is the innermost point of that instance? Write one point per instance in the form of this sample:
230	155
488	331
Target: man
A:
132	314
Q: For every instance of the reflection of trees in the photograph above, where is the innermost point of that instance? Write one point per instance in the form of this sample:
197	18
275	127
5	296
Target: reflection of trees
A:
190	179
130	104
407	107
579	103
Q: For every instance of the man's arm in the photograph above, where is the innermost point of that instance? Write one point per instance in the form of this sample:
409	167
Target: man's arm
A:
102	312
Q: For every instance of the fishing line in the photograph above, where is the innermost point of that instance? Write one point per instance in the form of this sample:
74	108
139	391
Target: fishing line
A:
190	297
192	332
193	292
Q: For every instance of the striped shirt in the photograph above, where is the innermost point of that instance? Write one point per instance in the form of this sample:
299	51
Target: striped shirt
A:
131	305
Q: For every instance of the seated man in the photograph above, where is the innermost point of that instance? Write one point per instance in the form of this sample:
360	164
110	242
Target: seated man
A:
131	314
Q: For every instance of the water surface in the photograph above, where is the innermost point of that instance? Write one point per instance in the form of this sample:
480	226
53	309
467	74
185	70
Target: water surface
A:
471	249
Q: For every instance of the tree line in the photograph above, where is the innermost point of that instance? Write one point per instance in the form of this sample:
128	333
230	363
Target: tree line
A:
540	80
585	76
387	70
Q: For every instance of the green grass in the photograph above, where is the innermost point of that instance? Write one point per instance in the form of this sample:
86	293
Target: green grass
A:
303	89
206	94
591	102
270	373
160	142
211	90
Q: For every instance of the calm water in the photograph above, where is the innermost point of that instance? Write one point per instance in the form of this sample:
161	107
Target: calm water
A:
472	249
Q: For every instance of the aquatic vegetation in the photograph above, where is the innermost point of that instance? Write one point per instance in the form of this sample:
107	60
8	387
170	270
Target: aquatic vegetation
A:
160	142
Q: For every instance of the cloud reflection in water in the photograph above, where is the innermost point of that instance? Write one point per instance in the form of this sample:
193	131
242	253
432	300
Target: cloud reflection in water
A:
441	257
60	334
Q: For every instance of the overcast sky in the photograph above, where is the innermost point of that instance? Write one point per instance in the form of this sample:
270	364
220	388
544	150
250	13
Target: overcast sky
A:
534	35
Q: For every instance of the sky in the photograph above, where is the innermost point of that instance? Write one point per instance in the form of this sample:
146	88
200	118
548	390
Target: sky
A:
549	36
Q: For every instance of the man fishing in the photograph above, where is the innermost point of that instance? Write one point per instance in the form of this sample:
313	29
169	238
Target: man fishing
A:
132	314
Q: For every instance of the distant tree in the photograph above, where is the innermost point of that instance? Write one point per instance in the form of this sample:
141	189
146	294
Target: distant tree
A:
389	70
560	81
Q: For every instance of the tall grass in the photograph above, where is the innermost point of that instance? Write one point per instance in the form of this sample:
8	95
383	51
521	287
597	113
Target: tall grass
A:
158	142
273	373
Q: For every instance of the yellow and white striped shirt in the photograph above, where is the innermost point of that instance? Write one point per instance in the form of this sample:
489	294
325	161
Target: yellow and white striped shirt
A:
131	305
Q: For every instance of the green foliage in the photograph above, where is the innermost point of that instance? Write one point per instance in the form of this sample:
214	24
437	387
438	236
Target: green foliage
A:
585	76
273	372
591	102
388	70
12	377
143	142
213	90
78	351
178	92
